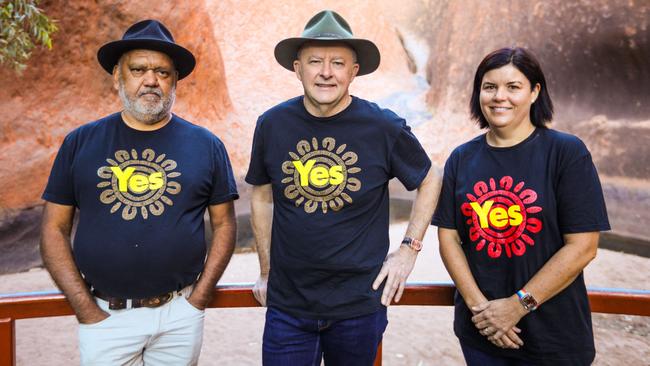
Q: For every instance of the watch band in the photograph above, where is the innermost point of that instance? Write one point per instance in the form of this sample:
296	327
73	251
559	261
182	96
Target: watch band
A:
412	243
527	300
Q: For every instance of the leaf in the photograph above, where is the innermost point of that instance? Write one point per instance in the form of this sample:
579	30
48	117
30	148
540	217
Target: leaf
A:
23	26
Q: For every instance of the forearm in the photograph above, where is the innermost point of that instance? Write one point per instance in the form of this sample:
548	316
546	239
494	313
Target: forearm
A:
456	264
224	233
58	260
423	206
563	267
261	222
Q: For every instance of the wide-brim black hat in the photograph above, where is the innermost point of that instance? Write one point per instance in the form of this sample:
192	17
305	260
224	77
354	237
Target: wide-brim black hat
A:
148	35
328	27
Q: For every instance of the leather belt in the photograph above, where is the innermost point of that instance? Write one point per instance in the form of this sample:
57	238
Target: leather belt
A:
116	303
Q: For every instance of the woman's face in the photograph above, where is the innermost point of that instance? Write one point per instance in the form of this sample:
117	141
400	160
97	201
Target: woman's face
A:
506	97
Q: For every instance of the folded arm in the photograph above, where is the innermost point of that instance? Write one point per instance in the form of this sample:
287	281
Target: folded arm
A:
558	273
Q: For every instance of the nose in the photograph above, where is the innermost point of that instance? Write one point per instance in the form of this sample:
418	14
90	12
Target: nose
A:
499	94
150	78
326	70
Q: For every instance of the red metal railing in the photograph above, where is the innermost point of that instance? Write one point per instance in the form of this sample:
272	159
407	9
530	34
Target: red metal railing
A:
25	306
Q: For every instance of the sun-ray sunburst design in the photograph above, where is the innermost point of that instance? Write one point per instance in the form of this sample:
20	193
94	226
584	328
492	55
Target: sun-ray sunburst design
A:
504	237
329	191
138	184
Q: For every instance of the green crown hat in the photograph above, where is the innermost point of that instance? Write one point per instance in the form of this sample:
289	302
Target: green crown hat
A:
329	27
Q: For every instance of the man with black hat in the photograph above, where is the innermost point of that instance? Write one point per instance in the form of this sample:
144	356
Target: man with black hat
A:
320	166
140	275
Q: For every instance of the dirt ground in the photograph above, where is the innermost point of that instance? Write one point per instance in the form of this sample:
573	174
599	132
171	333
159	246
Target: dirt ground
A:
415	335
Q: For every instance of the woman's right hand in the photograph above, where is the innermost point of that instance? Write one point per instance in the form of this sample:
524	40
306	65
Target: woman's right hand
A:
509	339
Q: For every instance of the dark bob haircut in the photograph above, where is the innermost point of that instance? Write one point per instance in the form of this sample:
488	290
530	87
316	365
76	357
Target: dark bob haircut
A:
541	111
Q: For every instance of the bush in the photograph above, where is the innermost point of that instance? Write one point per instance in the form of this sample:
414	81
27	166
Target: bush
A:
23	26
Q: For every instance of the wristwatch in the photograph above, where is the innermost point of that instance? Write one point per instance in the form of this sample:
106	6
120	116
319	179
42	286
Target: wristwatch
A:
412	243
527	300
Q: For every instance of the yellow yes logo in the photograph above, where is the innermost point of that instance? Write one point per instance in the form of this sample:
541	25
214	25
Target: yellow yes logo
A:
138	183
318	176
499	216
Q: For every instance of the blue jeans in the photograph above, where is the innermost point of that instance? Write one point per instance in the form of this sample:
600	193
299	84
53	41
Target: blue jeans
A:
291	341
476	357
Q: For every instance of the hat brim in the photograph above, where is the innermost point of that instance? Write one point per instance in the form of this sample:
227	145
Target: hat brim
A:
110	53
368	57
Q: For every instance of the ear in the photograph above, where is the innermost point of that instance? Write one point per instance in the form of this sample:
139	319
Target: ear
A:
116	77
355	71
535	93
297	68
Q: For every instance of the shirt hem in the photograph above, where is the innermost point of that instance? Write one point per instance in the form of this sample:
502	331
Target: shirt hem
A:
418	181
443	224
222	199
58	200
325	315
585	228
256	182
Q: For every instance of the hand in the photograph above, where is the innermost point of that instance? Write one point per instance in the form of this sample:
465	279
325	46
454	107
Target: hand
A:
396	269
196	302
259	290
497	318
96	316
509	340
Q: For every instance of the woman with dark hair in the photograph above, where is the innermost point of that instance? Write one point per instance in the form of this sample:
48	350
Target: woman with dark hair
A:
519	218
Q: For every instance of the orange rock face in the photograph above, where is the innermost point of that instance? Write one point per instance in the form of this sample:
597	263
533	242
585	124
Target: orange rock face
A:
66	87
235	80
595	54
595	57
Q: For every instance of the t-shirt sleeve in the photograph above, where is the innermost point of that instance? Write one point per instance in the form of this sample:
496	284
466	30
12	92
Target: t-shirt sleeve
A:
257	173
408	161
224	188
581	206
60	185
445	213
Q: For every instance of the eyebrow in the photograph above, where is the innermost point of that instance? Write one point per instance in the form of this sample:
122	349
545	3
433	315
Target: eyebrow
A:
508	83
144	65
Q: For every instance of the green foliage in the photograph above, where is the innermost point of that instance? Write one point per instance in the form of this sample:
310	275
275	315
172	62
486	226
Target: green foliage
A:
23	26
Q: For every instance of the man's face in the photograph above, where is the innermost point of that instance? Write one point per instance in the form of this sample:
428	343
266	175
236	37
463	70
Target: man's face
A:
326	73
146	81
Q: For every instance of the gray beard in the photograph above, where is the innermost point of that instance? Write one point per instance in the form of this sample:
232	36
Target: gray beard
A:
147	113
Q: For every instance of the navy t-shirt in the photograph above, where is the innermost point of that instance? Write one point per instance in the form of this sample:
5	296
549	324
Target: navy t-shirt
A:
511	207
141	197
330	193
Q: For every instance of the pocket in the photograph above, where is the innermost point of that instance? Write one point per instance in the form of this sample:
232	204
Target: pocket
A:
192	307
98	324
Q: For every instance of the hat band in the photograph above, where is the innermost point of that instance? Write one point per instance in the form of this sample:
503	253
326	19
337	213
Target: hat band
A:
328	35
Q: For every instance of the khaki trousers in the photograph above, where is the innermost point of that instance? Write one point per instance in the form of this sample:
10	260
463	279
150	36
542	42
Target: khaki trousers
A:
171	334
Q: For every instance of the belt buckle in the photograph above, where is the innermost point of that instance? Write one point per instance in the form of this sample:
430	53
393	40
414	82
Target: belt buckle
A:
157	301
116	304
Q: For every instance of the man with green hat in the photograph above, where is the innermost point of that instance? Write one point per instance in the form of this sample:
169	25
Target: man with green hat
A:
320	166
141	180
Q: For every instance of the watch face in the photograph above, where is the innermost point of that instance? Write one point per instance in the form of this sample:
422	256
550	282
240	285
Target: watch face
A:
413	243
529	302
